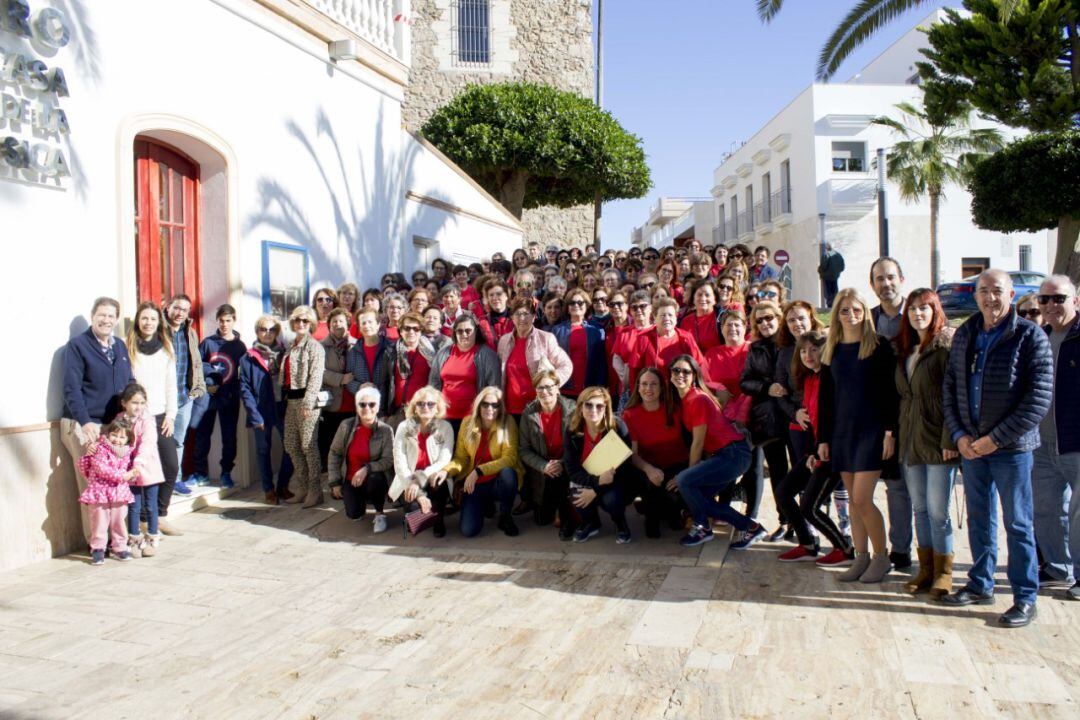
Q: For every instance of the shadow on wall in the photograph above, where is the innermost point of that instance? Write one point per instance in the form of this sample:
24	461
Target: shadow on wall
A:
368	211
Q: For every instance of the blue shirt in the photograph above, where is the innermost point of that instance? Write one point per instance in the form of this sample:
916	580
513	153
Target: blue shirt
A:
984	340
183	359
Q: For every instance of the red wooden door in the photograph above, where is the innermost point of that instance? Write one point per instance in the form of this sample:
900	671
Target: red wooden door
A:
166	224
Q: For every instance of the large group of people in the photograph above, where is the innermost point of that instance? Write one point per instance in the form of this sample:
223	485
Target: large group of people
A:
481	390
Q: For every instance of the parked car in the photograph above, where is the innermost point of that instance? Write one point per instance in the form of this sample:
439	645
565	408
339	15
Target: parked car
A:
958	299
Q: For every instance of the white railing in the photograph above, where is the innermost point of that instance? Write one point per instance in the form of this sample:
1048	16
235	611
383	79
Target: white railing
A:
383	23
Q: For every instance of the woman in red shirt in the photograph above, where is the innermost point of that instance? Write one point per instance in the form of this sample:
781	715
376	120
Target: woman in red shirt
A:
464	367
719	455
656	433
361	458
324	300
413	354
701	321
665	342
725	363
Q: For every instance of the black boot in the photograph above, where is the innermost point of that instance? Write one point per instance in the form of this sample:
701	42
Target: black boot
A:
506	524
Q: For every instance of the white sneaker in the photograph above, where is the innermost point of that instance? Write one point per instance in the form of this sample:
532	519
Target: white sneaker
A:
379	523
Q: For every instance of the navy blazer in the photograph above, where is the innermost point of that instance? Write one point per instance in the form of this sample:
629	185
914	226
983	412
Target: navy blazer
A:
596	354
92	385
1018	380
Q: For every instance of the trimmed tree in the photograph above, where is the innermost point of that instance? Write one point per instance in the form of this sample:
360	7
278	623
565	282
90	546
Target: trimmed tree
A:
533	146
1032	185
1024	72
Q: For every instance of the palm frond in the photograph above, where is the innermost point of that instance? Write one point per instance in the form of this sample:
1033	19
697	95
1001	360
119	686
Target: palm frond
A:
866	18
1007	8
768	9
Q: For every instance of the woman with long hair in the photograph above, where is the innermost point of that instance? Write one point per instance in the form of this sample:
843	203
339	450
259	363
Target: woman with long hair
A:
348	295
927	451
423	447
464	367
858	418
486	463
323	301
719	455
702	319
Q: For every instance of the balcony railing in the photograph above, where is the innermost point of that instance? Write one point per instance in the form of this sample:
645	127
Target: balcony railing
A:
719	237
373	20
746	222
731	230
780	202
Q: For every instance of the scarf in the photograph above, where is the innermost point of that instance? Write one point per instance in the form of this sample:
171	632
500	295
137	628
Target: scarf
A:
121	451
427	351
148	347
270	355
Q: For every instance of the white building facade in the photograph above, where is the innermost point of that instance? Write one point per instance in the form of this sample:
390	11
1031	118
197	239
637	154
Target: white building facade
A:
674	221
241	151
809	173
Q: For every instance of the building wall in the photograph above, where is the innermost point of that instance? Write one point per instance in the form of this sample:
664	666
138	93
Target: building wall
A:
540	41
293	149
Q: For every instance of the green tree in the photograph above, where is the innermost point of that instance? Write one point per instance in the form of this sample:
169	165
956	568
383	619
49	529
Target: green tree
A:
864	19
937	147
1032	185
1026	73
532	145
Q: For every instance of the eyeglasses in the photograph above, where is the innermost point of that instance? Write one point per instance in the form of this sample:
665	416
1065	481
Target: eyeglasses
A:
599	300
576	303
682	371
464	332
765	319
546	388
523	315
586	266
595	406
368	405
325	300
726	286
302	321
617	303
1033	312
640	307
265	329
489	405
426	404
1056	299
768	294
410	328
650	257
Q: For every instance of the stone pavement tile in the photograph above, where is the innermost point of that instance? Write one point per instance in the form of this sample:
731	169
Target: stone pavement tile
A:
934	655
947	701
1024	684
675	614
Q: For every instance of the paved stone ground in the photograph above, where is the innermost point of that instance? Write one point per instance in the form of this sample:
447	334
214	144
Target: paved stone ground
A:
261	612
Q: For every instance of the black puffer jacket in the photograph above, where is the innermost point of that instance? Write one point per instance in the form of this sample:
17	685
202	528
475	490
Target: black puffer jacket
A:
766	422
1018	380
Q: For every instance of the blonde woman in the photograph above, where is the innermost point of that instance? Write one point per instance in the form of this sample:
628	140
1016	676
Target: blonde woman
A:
858	416
423	448
301	380
486	463
348	297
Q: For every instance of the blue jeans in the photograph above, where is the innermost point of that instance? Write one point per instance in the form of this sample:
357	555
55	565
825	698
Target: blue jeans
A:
263	446
504	487
700	484
900	512
930	487
180	428
145	497
1007	474
1055	484
228	411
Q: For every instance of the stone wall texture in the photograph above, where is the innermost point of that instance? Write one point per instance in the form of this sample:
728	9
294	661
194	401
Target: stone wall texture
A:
540	41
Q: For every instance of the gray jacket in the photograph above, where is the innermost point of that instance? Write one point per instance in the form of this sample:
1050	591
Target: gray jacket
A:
488	372
532	447
381	451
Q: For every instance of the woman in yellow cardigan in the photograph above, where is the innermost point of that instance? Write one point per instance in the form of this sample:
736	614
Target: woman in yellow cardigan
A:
486	463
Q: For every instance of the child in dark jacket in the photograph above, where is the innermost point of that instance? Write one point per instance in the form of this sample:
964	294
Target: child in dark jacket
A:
221	355
261	394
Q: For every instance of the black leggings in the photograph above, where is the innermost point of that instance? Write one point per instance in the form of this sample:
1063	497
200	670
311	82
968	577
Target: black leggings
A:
170	465
815	498
356	498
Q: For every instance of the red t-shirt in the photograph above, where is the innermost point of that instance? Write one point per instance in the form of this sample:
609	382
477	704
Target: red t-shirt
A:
321	331
578	350
659	444
370	352
519	389
811	386
422	459
459	382
359	452
552	424
391	333
483	456
703	329
418	378
590	443
668	348
699	409
288	373
725	365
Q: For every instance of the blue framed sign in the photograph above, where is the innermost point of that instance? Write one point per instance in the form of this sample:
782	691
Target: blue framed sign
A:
284	278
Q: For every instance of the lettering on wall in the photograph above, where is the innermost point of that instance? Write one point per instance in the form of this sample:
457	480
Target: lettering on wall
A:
33	127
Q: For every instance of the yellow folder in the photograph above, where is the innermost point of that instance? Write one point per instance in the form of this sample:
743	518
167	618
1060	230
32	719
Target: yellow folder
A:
609	453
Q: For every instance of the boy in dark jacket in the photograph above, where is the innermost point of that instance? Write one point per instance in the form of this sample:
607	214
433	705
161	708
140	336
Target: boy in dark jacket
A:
221	355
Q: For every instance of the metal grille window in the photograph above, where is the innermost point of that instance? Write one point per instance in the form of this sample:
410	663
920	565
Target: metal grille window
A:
471	33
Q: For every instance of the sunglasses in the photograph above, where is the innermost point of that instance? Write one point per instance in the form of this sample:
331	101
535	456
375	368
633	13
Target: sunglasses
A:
368	405
576	303
617	304
599	300
302	321
640	307
325	300
489	405
595	406
265	329
410	328
765	319
546	388
464	332
767	294
426	404
682	371
648	286
1055	299
1033	312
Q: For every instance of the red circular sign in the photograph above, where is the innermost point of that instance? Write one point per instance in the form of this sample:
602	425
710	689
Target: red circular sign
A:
781	257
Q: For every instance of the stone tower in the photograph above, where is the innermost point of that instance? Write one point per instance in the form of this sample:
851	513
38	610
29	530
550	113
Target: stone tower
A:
457	42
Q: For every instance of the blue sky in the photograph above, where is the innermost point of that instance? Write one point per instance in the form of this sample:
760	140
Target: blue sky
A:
690	77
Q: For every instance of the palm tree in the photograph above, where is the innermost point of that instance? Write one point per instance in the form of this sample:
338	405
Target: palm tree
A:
862	21
934	149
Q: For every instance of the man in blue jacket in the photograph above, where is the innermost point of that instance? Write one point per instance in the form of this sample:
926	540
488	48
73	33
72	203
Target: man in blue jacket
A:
997	390
1055	480
96	371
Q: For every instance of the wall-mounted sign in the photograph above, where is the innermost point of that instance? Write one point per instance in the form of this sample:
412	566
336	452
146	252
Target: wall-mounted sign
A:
33	126
284	278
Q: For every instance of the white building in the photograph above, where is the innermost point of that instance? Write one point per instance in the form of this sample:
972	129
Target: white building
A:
816	157
674	220
217	147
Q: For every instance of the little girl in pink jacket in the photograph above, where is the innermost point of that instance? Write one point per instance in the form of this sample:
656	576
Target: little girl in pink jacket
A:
107	468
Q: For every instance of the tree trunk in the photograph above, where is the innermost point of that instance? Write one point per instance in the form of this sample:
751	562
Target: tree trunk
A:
935	255
512	191
1067	259
598	204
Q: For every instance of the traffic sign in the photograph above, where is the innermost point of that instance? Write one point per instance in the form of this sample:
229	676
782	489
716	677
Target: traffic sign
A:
781	257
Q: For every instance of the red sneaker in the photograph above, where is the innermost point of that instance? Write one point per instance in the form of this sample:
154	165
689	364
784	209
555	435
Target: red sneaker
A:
836	558
798	554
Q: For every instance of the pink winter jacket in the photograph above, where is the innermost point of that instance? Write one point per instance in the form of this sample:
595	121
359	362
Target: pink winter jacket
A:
542	352
104	472
144	450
